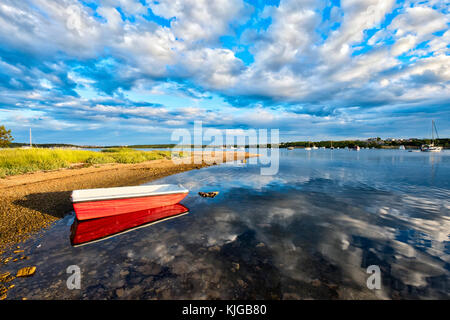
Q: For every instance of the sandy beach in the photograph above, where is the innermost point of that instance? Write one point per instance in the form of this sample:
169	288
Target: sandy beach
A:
31	202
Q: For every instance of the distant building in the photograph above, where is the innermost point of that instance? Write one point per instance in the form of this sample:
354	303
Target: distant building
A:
375	140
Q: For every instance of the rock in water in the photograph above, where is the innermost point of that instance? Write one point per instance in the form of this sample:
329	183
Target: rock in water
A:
208	194
26	272
316	283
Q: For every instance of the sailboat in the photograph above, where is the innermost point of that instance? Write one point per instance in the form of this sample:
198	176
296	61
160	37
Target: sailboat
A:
308	147
331	145
431	147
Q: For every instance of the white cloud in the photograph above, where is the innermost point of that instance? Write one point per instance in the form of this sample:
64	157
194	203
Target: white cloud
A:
418	20
320	74
199	19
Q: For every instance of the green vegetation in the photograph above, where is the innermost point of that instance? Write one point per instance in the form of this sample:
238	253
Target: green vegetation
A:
5	137
16	161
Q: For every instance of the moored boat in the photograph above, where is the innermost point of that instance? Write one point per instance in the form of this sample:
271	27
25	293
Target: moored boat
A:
308	147
104	202
432	147
89	231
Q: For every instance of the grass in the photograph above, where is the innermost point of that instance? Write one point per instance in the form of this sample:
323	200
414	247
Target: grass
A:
17	161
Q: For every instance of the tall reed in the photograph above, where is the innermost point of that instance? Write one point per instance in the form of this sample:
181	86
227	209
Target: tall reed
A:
16	161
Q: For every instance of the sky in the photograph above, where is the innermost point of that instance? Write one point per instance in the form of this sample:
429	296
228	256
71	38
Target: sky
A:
109	72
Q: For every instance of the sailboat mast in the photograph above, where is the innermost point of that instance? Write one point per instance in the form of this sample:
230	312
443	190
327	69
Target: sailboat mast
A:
30	139
432	131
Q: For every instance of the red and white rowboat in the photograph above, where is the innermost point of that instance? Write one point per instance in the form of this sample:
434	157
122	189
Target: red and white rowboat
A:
89	231
105	202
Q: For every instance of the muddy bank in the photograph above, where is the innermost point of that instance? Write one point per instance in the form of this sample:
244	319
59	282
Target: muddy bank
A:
33	201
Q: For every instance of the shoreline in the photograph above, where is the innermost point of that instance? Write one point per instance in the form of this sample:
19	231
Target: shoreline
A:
33	201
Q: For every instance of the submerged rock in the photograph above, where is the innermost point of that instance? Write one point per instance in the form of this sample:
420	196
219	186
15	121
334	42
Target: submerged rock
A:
316	283
215	248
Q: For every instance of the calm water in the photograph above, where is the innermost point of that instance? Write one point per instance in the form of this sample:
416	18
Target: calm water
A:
308	232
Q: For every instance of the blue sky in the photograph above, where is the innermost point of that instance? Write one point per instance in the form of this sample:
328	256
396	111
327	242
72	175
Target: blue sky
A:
132	71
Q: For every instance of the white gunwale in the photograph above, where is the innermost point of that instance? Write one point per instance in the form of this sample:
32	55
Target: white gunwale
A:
87	195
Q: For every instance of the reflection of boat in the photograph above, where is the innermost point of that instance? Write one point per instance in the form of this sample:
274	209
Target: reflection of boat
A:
104	202
83	232
431	147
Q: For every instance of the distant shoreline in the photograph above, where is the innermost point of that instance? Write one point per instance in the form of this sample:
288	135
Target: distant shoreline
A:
33	201
378	148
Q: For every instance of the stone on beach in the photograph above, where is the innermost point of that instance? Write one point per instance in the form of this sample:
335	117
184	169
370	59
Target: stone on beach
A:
26	272
4	276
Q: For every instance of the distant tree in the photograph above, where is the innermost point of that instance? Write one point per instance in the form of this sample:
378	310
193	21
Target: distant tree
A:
5	137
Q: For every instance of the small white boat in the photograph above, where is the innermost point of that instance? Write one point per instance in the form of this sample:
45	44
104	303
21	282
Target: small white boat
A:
430	148
308	148
314	147
290	148
401	147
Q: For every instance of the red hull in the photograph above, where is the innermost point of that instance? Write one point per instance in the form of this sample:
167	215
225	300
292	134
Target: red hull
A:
97	229
104	208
